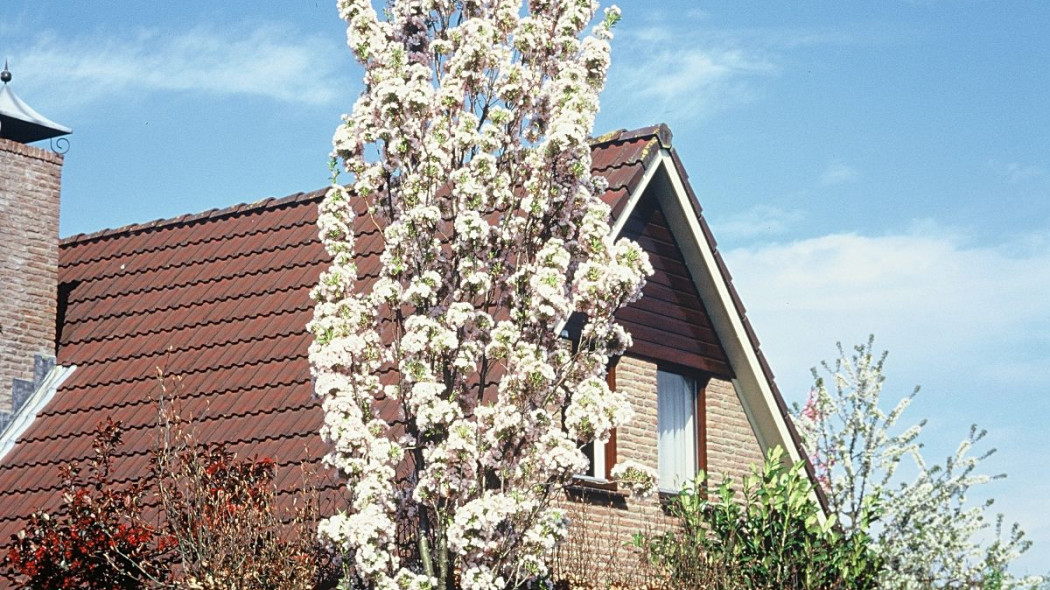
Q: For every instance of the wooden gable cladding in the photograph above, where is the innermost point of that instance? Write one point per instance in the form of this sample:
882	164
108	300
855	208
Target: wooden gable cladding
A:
669	323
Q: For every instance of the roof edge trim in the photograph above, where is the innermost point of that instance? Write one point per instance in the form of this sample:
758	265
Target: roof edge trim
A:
754	383
651	165
27	413
211	215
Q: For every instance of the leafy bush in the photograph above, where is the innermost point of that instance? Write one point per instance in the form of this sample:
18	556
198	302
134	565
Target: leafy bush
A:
100	540
221	512
217	524
769	535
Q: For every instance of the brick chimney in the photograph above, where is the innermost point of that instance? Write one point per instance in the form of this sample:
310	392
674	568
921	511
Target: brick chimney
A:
30	180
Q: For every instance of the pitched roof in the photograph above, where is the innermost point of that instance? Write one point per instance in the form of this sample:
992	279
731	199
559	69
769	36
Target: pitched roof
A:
220	299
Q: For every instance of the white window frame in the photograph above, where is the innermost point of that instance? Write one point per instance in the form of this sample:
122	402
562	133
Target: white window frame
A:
598	469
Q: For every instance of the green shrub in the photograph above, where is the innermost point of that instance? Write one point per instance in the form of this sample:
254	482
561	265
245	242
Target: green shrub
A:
769	535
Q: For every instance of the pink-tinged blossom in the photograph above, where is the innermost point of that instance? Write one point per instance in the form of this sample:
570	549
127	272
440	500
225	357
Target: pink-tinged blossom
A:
469	152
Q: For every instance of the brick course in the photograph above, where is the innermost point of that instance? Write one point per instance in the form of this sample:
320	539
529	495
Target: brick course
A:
732	448
30	180
604	523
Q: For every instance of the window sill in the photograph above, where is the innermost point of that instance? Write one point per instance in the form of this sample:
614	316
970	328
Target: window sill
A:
593	482
667	499
596	491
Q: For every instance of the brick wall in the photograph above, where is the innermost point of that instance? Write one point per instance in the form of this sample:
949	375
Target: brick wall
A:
603	522
30	180
731	444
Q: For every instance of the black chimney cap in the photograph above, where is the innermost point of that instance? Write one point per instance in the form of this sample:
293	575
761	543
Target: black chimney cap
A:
19	122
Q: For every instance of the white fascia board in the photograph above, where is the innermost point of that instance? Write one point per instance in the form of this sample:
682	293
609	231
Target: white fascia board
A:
752	387
36	402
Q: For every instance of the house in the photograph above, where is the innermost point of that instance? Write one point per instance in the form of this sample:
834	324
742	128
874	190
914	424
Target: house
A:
221	299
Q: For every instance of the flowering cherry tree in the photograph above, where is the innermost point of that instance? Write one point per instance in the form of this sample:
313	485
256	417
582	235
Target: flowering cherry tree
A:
469	151
927	533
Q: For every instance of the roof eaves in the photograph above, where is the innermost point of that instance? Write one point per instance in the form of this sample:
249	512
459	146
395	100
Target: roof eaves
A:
660	131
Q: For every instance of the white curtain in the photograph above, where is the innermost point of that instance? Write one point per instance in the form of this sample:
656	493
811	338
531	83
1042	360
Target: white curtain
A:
676	427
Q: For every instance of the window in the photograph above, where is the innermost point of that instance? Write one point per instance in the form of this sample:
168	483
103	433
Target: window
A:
680	429
602	457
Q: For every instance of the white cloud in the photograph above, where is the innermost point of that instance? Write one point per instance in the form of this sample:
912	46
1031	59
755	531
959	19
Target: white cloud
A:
691	77
690	69
697	14
758	221
686	78
838	173
1015	172
935	301
269	60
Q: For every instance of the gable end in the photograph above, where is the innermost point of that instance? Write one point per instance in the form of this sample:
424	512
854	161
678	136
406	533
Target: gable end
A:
752	378
670	323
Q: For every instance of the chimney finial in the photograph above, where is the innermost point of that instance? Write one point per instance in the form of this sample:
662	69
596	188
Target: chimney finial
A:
19	122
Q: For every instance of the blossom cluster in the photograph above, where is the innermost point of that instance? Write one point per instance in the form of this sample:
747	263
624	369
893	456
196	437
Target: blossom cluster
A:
927	532
450	396
639	479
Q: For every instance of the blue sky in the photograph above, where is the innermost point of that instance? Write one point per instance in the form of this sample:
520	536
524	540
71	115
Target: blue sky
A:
867	167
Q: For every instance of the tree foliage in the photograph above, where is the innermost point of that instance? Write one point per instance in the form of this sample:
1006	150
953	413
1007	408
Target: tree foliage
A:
100	541
202	519
929	533
226	526
469	153
767	535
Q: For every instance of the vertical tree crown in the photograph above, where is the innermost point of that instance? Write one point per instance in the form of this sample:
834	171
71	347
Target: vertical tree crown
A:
468	150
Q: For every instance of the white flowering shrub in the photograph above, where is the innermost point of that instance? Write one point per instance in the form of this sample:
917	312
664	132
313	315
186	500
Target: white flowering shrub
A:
926	532
639	479
469	151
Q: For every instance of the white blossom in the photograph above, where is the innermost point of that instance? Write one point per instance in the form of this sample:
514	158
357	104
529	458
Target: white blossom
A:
927	532
639	479
468	151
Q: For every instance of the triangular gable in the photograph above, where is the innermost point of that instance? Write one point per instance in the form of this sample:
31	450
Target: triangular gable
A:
670	323
667	184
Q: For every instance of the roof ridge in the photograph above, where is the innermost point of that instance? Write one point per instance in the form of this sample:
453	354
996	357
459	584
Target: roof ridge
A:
194	242
660	130
210	214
